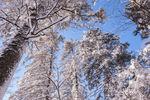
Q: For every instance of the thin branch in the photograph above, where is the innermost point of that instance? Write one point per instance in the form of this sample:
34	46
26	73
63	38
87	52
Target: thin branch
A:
17	19
9	21
35	26
59	15
50	11
62	82
36	45
35	36
53	7
22	3
36	5
18	16
4	13
56	11
56	87
51	25
27	14
72	11
19	10
140	6
8	15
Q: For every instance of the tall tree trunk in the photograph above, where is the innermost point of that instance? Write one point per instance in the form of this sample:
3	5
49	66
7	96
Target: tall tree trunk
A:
50	71
10	57
75	87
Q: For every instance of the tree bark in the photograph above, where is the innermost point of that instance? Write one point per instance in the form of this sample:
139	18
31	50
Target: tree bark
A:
10	57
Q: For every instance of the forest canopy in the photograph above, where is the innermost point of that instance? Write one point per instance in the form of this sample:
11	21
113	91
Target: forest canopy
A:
97	65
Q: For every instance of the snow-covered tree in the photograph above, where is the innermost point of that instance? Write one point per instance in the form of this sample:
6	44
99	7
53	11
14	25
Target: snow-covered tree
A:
38	16
102	56
134	82
99	56
98	64
74	84
37	81
10	57
139	12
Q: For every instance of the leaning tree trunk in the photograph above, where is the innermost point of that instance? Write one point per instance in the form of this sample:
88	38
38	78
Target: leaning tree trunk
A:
10	57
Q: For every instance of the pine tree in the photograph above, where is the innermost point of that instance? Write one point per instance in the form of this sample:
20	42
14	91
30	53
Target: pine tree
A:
139	12
74	85
133	82
102	56
99	57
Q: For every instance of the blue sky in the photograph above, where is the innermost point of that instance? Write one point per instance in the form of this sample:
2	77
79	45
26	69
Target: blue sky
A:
115	23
